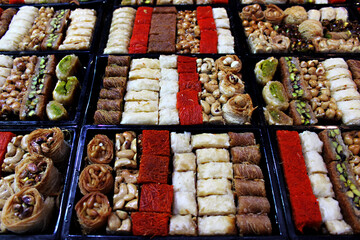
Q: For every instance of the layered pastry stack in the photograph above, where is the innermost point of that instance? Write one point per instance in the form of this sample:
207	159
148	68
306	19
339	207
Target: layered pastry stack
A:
185	211
140	33
343	90
156	194
95	181
126	193
189	87
109	105
226	41
163	30
142	93
253	206
80	31
321	185
120	30
214	180
169	87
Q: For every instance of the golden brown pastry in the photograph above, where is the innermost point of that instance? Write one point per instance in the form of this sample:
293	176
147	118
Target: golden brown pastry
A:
27	211
295	15
96	178
310	29
50	143
274	14
100	149
93	211
238	109
38	172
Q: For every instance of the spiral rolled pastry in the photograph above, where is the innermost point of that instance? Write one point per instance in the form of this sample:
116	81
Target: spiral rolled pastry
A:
27	211
96	178
100	149
38	172
93	211
229	63
50	143
280	43
231	84
238	109
274	14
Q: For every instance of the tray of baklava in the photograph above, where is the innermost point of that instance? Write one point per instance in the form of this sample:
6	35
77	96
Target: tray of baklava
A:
40	3
170	2
318	172
44	89
153	182
58	28
36	168
168	29
308	91
299	29
171	90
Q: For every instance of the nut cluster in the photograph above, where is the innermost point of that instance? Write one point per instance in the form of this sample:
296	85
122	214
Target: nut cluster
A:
126	150
23	206
33	173
323	105
16	151
128	176
352	139
210	95
43	143
188	32
126	195
96	177
119	222
94	206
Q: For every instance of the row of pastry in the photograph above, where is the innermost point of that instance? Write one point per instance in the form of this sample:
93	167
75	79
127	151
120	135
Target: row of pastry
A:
166	91
36	29
329	187
141	31
38	87
32	178
309	91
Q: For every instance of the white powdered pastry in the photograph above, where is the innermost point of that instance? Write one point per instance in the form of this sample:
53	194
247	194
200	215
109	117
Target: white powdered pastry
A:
184	162
180	142
182	225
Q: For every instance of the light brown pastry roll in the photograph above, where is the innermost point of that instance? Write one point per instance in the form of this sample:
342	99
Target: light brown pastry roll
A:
93	211
231	84
253	204
50	143
238	109
247	171
222	64
250	187
38	172
241	139
249	154
100	149
250	224
96	178
27	211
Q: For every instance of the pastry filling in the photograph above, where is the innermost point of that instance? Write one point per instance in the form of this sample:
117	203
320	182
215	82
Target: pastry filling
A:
24	206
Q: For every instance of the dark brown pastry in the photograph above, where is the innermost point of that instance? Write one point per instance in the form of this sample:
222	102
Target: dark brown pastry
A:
119	60
247	171
302	113
253	204
253	224
241	139
116	71
109	105
107	117
248	154
250	187
113	93
114	82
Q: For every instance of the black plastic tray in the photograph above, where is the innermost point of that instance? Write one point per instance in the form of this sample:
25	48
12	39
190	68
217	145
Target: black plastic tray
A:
101	62
242	39
95	39
283	187
118	3
54	230
109	15
76	111
71	228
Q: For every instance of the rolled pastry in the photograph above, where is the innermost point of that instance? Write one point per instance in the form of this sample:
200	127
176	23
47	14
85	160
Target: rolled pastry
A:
250	224
249	154
242	139
38	172
247	171
250	187
50	143
253	204
238	109
27	211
